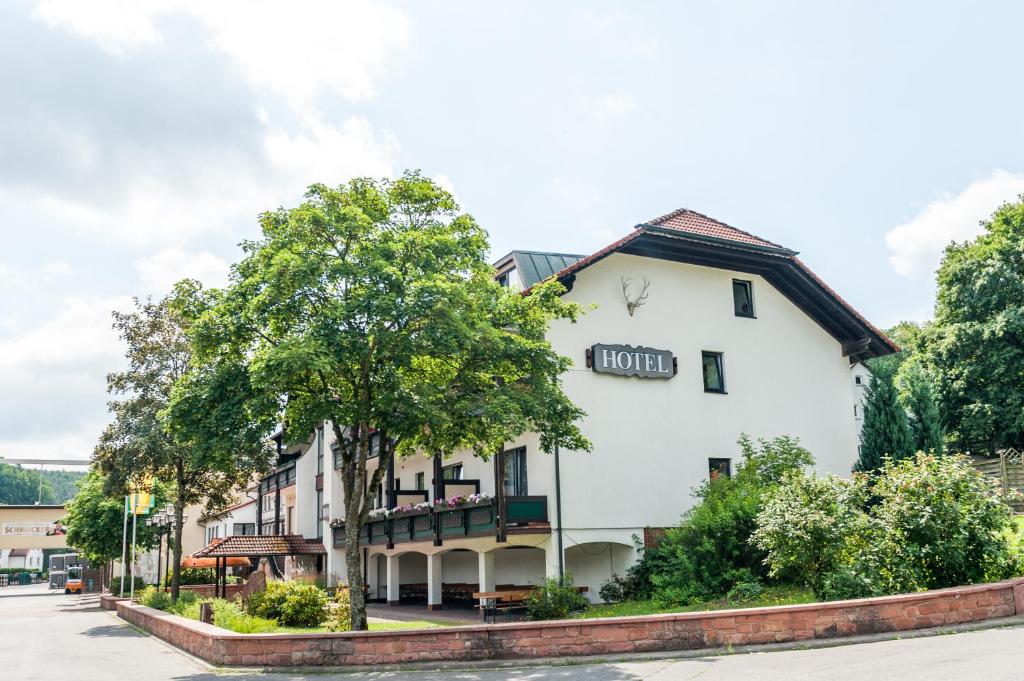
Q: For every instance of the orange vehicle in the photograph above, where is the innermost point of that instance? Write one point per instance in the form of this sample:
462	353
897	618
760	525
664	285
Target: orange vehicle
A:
73	585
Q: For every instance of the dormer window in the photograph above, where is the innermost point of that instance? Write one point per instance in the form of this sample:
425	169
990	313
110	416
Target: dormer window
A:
743	297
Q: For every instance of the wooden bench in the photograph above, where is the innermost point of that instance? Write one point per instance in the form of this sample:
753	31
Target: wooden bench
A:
506	598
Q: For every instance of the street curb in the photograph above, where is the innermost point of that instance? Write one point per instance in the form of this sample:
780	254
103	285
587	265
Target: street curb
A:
580	660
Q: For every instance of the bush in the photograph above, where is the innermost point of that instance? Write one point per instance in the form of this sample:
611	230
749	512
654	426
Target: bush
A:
115	585
340	616
187	605
229	615
745	591
555	600
710	551
922	523
613	591
293	604
153	598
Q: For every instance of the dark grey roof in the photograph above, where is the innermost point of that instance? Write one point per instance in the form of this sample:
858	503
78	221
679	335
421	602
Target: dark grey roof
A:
536	266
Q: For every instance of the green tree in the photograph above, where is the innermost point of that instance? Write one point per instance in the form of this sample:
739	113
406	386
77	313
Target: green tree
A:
165	408
886	430
95	518
372	307
919	399
976	345
21	486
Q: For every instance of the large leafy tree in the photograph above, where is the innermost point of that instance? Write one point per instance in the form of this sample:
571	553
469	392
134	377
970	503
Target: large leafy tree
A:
976	345
886	430
95	520
163	420
371	307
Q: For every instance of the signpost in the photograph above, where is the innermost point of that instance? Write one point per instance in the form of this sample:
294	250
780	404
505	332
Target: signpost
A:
139	503
627	360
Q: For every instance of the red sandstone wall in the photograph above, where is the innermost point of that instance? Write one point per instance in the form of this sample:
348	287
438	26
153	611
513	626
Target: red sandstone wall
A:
683	631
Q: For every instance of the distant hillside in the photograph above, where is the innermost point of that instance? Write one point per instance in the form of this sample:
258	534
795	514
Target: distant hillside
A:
21	485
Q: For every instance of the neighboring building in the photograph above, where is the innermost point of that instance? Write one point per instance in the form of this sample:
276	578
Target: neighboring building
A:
29	559
237	519
860	378
694	333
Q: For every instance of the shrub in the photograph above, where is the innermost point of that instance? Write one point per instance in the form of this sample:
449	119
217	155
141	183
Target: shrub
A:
922	523
229	615
153	598
268	602
187	605
293	604
613	591
555	600
710	551
305	605
115	585
808	527
745	591
340	616
951	519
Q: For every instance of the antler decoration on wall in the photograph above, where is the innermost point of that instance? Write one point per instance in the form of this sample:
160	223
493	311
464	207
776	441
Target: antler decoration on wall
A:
639	300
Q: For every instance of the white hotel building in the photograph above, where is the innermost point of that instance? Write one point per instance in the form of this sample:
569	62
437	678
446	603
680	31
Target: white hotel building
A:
731	334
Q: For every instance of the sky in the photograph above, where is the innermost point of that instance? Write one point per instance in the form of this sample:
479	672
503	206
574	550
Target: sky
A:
140	140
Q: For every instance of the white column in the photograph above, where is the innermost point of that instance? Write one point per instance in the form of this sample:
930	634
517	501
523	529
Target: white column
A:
485	561
393	580
434	581
372	576
551	559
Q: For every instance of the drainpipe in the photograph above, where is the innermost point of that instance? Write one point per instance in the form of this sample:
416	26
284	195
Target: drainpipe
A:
558	517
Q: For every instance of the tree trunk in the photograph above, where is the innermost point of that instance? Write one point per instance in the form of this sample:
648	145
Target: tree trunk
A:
354	568
179	513
179	521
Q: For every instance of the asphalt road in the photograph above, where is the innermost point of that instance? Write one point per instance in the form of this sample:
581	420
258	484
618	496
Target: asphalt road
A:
46	636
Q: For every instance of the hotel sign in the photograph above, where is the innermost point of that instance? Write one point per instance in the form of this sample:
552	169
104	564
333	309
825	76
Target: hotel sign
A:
626	360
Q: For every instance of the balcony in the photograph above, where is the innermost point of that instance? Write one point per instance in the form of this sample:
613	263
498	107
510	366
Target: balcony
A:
522	515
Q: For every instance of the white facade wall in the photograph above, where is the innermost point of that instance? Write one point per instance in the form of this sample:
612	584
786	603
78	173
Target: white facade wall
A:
652	438
224	525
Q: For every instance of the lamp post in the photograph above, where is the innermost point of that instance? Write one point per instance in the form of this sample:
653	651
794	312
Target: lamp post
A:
164	522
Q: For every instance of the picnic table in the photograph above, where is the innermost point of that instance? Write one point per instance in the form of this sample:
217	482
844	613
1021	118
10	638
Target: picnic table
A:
507	598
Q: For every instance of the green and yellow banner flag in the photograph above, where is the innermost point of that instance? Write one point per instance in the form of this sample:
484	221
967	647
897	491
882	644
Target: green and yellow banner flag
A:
141	503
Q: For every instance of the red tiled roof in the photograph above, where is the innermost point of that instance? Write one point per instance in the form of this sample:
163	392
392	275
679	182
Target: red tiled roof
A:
686	220
692	222
262	545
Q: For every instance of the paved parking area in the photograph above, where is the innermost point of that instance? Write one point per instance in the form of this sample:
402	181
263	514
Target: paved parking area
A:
46	636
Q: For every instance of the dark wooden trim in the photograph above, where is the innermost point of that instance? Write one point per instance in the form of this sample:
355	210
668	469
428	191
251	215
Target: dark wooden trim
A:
500	533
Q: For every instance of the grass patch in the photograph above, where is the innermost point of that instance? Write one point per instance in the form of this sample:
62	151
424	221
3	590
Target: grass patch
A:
773	595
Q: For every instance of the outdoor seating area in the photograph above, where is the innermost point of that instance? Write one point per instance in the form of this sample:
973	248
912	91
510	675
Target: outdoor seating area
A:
506	599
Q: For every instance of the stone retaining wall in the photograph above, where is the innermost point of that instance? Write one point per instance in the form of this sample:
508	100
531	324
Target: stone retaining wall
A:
682	631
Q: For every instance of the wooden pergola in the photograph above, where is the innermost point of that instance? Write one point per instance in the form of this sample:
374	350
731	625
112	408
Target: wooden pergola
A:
251	545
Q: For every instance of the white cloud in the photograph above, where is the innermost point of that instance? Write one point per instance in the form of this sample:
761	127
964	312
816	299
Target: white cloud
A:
170	201
116	25
55	270
79	331
159	272
916	246
296	49
604	109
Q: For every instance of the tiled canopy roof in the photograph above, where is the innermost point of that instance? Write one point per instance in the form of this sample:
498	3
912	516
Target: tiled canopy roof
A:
262	545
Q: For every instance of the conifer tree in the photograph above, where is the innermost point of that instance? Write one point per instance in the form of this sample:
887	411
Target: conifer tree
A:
917	395
886	430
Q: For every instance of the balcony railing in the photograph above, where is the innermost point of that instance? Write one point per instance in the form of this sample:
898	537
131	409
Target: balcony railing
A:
467	521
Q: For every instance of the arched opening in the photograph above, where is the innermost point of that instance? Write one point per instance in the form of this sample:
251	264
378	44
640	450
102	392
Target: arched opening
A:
594	563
